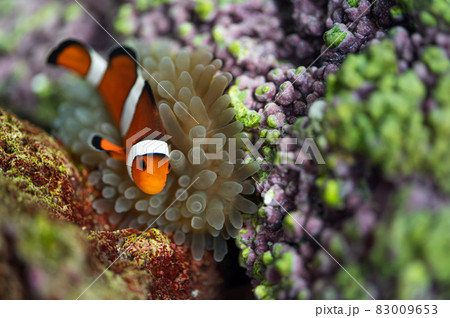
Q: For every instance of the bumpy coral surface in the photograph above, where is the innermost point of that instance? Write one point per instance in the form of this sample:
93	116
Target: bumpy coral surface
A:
44	258
160	269
36	163
381	137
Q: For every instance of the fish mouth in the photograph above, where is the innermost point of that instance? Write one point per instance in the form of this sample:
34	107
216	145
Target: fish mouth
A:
152	189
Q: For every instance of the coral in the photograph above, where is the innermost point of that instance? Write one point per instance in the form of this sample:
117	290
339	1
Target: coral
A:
251	37
152	265
412	238
248	118
334	36
396	96
36	163
44	258
393	90
379	133
351	24
435	13
394	109
246	35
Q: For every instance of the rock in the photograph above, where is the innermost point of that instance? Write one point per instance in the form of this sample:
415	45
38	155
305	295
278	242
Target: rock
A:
154	266
45	258
40	168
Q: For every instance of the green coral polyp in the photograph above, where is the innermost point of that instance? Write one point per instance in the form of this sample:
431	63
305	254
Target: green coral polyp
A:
396	11
124	23
284	263
334	37
262	292
277	249
185	28
268	197
237	49
243	257
249	118
258	269
289	223
273	135
298	71
219	35
353	3
271	121
269	152
261	90
204	8
331	194
267	258
434	57
73	12
428	19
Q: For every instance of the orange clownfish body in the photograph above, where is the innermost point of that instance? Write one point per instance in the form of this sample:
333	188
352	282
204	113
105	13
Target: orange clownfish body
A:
133	108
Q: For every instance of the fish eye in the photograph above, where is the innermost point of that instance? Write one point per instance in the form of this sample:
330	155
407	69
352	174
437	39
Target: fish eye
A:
142	165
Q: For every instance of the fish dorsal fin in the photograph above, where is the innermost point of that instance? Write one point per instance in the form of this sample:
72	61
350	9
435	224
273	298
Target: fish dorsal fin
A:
138	110
120	76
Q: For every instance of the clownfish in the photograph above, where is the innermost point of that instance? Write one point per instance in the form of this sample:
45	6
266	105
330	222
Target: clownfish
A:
130	101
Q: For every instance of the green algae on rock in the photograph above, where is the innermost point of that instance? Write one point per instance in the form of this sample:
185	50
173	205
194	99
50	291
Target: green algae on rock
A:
44	258
152	265
37	164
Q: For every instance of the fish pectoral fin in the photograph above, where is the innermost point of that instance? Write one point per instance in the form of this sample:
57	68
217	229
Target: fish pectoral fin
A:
99	143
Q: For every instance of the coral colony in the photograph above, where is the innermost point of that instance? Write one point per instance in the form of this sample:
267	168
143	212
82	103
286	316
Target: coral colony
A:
350	151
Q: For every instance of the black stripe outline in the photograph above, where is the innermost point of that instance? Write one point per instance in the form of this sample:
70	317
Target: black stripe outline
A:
52	58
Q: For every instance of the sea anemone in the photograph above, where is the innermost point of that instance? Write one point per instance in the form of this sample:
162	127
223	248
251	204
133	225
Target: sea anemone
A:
202	204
